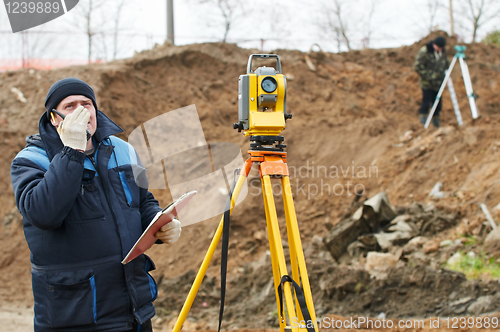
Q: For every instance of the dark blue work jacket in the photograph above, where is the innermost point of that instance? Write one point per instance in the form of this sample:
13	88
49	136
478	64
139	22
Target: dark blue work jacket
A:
81	216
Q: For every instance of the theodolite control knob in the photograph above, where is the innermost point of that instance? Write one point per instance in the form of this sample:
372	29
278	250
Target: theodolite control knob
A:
238	126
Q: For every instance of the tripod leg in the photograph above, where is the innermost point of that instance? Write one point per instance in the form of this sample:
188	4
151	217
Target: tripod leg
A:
277	253
292	248
440	92
468	88
296	251
454	101
275	265
210	253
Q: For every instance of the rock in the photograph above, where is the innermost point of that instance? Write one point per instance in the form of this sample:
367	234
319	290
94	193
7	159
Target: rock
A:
317	239
418	241
369	240
403	226
420	257
398	252
259	235
414	244
436	222
480	305
454	259
471	254
384	240
378	264
375	213
343	234
446	243
429	207
408	135
365	244
447	130
358	214
492	236
470	136
290	76
431	247
400	233
356	249
19	95
436	191
403	217
461	305
387	240
494	303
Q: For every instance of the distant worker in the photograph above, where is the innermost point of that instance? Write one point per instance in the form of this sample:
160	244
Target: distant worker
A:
82	212
431	64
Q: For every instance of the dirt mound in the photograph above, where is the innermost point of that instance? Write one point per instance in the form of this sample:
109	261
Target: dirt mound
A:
352	117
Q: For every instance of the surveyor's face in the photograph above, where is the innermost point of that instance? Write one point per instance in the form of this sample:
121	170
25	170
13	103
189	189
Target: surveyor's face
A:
69	104
437	48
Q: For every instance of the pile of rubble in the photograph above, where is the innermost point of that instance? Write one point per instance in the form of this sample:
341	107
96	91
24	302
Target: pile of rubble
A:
377	227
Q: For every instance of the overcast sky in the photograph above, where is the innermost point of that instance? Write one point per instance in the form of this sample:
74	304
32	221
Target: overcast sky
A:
294	24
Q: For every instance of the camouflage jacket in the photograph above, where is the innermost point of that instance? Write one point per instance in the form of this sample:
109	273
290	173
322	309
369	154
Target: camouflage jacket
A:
430	69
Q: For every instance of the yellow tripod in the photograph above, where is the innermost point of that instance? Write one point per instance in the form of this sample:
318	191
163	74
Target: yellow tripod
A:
299	304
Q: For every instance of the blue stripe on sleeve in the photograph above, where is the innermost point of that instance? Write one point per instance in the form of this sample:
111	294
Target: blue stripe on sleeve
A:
35	154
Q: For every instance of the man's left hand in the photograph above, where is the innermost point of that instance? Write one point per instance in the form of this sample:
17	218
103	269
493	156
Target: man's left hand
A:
170	232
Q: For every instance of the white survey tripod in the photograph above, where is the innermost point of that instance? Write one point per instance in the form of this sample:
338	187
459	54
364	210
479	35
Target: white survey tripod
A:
460	55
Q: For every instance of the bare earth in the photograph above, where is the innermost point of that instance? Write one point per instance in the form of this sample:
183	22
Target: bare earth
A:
16	319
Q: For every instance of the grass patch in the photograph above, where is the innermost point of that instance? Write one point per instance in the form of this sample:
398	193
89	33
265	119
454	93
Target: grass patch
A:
470	240
475	266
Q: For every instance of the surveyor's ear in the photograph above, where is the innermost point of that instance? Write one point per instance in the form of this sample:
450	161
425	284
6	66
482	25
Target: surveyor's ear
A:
53	119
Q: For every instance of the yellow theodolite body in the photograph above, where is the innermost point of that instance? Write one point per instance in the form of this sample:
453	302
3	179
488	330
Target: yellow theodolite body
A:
264	117
262	100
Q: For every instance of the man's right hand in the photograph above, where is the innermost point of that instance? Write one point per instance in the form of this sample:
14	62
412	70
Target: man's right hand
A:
73	130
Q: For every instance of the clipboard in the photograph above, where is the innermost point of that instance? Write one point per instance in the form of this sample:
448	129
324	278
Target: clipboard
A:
162	218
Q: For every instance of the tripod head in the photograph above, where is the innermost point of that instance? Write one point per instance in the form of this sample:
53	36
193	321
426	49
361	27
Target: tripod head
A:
262	104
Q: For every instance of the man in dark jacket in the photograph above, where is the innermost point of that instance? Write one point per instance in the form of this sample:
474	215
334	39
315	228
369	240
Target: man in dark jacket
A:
431	64
82	212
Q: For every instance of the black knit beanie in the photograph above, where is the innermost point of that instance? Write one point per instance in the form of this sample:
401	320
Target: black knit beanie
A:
70	86
440	41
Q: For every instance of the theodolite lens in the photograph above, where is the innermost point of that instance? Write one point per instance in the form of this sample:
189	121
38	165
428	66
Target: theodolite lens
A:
269	84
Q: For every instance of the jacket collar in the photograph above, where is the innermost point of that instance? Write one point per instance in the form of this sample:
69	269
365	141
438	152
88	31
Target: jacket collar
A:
52	143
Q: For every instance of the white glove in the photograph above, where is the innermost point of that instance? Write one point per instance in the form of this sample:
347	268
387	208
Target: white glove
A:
170	232
73	129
